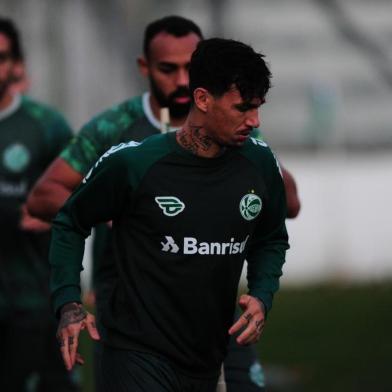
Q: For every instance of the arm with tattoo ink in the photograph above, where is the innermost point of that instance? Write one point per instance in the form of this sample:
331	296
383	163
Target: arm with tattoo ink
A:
72	320
251	321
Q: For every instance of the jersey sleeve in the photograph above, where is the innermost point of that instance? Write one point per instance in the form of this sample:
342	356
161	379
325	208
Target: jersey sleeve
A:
100	198
257	134
98	135
85	148
267	250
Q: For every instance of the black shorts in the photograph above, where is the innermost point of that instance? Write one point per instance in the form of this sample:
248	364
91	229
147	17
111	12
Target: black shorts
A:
133	371
243	371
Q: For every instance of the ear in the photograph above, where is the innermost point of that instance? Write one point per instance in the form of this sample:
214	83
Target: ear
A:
202	99
143	65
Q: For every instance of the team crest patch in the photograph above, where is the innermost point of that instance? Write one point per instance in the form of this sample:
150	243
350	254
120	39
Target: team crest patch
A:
250	206
16	157
170	205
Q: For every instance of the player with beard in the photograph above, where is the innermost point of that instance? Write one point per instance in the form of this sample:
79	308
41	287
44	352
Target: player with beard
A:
168	45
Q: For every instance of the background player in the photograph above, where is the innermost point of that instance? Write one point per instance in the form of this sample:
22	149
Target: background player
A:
31	135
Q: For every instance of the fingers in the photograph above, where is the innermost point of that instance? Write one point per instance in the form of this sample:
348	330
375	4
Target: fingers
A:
252	333
64	348
251	321
242	322
73	341
79	359
91	327
244	301
71	322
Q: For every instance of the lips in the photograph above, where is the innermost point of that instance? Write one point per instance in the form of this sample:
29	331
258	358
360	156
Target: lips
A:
182	99
245	132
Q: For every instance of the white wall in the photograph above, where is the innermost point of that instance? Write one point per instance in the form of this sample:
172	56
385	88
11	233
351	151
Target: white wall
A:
344	230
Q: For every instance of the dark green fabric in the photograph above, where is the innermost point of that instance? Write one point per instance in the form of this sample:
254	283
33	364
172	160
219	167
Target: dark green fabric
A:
168	300
30	138
121	123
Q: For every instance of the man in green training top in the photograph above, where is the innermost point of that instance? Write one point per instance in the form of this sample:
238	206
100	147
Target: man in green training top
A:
168	45
188	208
31	136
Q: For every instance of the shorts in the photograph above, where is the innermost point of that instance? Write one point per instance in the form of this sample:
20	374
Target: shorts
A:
243	371
134	371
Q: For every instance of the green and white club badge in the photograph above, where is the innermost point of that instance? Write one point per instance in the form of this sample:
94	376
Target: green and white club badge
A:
170	205
250	206
16	157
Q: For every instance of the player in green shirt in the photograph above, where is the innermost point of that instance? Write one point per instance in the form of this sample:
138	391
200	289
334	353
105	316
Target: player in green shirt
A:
168	45
187	209
31	136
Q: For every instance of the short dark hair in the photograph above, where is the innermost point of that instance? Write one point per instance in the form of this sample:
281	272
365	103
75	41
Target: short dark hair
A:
217	64
174	25
8	28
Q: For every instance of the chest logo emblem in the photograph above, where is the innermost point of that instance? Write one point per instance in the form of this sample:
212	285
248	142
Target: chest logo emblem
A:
250	206
16	157
170	205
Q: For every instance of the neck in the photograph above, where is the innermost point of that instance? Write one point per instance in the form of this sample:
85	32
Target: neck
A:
156	110
195	139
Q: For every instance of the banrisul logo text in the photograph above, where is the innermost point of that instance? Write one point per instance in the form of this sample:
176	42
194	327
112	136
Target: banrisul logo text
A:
192	246
250	206
170	205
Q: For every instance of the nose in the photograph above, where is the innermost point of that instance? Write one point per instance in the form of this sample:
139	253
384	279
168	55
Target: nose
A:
253	118
182	77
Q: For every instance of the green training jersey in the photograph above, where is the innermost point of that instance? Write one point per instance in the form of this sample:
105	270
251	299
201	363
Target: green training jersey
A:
182	228
31	136
134	120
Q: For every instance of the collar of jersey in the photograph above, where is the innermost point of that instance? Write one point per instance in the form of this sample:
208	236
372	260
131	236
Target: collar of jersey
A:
12	108
150	115
195	158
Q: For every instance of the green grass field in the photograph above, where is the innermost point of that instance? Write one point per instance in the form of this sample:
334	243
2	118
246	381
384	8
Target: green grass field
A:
325	338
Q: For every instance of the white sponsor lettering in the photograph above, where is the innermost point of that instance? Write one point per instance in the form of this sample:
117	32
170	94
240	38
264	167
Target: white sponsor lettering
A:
169	245
192	246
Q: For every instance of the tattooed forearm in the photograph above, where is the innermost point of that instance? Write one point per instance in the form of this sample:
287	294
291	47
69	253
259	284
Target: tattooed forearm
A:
71	314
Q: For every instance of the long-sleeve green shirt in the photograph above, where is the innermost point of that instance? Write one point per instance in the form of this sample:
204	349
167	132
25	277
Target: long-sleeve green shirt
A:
182	226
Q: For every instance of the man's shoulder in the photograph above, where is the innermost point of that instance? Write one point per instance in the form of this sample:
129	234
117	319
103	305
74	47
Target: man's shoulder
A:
40	111
118	117
152	147
136	155
259	153
255	146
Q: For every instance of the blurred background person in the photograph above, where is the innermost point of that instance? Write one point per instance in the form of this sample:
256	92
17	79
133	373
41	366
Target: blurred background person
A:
31	135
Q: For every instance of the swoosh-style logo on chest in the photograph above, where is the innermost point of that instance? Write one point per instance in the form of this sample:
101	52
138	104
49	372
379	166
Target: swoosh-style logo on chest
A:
170	205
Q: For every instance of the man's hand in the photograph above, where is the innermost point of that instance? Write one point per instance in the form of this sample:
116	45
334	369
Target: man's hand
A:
251	321
73	319
28	223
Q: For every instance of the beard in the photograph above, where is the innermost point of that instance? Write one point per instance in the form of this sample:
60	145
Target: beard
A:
4	88
176	110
